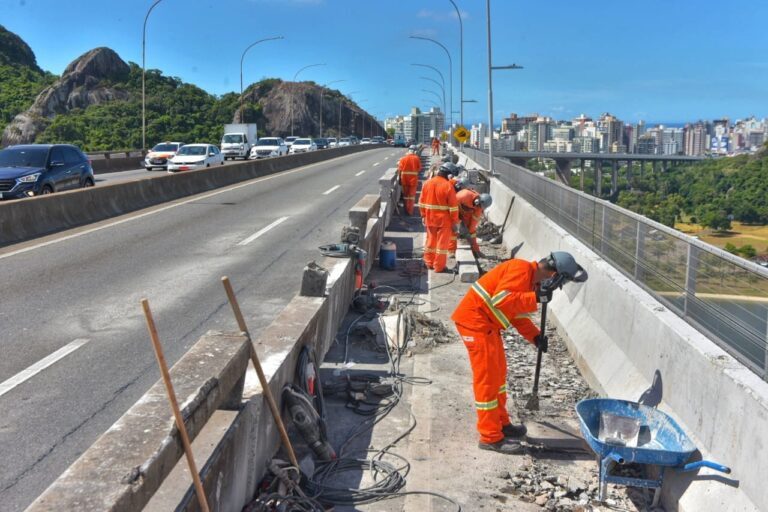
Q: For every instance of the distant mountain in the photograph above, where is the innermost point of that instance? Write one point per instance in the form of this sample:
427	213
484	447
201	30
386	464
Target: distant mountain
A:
96	104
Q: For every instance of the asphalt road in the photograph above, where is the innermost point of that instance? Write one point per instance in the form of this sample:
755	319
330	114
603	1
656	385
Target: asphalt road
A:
82	293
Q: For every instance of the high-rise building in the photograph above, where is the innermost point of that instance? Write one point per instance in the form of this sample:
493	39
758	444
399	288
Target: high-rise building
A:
646	144
586	145
513	124
696	139
539	132
672	141
562	132
478	134
613	131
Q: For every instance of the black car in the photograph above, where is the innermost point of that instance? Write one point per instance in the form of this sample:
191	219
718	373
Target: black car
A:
36	169
321	143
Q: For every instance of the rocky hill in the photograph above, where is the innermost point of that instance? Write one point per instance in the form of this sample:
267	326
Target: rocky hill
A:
96	104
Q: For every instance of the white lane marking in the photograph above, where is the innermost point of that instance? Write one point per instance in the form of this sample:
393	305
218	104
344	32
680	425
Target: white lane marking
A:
164	208
386	158
331	190
262	231
41	365
360	173
377	163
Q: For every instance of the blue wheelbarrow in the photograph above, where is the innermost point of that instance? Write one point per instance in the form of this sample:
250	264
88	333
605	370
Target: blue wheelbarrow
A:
660	442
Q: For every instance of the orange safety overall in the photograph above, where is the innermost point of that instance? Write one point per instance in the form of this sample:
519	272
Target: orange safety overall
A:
470	216
504	296
435	147
440	211
408	169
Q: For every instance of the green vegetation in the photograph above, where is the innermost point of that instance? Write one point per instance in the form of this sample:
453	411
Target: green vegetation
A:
19	85
712	193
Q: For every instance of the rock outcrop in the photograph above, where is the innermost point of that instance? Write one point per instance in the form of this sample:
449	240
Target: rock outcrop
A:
280	101
14	51
83	83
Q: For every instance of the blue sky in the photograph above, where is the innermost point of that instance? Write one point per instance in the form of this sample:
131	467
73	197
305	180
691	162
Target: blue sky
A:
671	60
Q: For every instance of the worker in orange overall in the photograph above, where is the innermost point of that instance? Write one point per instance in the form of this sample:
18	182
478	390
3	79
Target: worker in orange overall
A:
439	210
408	169
435	146
472	204
503	297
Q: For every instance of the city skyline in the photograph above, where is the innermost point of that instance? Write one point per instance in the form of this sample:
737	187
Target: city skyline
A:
665	62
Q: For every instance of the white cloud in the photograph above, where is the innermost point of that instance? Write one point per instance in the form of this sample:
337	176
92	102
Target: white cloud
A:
447	15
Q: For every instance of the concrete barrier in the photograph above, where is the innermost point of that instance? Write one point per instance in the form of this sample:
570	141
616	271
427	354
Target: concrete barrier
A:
30	218
127	465
623	340
112	161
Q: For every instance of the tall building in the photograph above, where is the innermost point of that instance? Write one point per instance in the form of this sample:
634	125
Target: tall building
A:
421	126
562	133
586	145
539	132
646	144
612	131
672	141
478	134
513	124
696	139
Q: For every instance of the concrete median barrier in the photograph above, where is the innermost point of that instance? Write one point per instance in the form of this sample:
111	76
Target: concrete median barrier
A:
30	218
128	468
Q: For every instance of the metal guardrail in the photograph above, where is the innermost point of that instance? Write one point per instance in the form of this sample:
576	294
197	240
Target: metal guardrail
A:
722	295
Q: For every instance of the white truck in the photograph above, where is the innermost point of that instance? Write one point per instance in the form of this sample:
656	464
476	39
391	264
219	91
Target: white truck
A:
238	140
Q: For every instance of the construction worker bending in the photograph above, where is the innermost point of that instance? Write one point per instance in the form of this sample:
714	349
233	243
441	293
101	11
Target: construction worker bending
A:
472	204
408	169
439	210
503	297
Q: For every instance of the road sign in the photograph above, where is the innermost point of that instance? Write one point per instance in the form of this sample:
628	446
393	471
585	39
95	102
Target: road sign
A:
461	134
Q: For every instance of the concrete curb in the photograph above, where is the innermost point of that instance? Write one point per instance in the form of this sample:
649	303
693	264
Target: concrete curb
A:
31	218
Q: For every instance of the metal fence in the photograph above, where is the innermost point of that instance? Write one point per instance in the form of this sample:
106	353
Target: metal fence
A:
722	295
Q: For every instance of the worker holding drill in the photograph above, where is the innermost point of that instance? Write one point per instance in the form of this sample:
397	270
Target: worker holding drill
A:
408	169
505	296
440	213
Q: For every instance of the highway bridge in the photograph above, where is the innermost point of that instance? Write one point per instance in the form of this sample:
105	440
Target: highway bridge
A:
564	162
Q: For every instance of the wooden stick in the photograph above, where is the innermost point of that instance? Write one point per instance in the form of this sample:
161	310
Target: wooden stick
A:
260	372
174	405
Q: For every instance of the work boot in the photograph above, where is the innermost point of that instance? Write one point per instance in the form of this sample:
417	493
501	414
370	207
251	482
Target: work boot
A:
514	430
505	446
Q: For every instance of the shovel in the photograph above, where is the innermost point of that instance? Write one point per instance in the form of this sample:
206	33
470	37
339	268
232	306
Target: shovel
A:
533	401
498	239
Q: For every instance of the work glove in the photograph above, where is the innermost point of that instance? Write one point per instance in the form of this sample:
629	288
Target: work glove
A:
541	341
543	295
455	228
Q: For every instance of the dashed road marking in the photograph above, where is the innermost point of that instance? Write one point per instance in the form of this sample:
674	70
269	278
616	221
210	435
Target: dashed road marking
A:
360	173
41	365
262	231
377	163
331	190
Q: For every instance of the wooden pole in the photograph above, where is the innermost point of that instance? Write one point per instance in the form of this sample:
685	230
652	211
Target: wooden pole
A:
174	405
260	372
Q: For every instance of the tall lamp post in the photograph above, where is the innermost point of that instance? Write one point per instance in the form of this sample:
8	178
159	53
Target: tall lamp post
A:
461	60
450	70
143	72
341	102
295	77
491	68
363	130
441	89
322	90
241	68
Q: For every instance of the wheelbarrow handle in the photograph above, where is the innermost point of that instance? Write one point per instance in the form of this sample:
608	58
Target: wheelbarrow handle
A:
693	466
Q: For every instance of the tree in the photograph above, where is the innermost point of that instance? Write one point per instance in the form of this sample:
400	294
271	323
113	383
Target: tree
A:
729	247
747	251
391	132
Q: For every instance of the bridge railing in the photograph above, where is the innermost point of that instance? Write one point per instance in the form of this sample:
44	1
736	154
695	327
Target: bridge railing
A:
722	295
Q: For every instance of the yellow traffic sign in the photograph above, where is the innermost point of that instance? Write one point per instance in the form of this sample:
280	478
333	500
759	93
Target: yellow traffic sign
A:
461	134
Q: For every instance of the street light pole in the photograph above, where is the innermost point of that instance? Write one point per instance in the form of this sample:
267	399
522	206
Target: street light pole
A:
441	88
322	90
295	77
491	68
143	72
341	102
461	60
241	68
450	71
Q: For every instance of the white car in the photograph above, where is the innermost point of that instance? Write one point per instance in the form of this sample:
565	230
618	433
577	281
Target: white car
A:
332	142
269	146
346	141
366	140
289	142
159	155
303	145
195	156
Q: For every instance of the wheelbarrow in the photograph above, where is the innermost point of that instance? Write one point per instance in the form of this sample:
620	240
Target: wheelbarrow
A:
660	442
